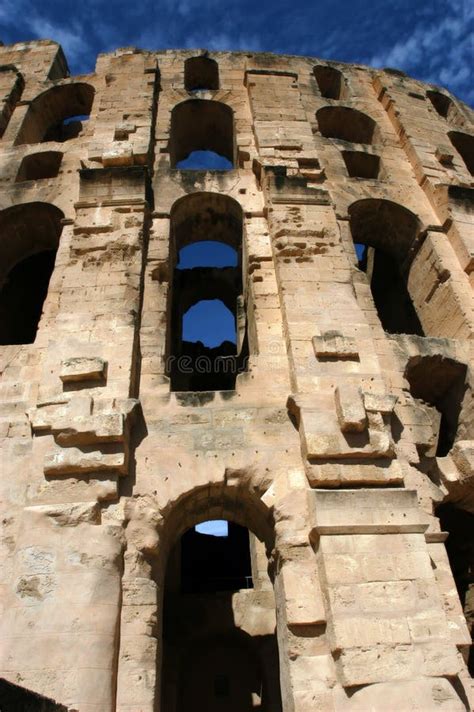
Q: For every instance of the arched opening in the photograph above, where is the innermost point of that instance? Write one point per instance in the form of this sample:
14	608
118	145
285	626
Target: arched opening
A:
388	231
201	73
361	165
441	383
441	103
346	124
330	81
29	237
220	651
464	145
57	114
207	337
41	165
199	125
22	297
460	549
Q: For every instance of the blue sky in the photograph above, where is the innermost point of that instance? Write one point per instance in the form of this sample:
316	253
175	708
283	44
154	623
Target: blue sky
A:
429	39
208	321
215	527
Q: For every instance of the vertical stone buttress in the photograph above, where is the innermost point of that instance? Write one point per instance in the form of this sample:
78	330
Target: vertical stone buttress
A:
79	400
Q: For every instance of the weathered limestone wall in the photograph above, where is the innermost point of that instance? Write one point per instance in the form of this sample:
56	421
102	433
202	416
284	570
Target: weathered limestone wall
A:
327	448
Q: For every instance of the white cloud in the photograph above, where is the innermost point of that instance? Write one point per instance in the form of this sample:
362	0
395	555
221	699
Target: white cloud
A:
437	50
14	11
71	39
22	13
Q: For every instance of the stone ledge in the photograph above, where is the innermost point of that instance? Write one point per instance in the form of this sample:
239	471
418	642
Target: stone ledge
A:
347	473
72	461
68	514
366	511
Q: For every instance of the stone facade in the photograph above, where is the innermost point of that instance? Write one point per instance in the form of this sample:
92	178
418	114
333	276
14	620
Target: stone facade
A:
343	437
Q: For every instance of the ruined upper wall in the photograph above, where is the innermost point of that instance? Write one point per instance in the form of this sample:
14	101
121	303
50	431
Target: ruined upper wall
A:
430	153
38	60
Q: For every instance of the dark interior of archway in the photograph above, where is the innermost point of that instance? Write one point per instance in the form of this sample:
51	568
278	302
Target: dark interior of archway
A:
441	103
460	549
440	382
66	129
389	291
464	145
215	563
346	124
361	165
209	662
201	125
22	297
223	674
57	114
384	225
201	73
39	165
330	81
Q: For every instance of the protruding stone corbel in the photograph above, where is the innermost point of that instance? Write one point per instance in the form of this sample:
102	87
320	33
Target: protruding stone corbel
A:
120	155
89	435
379	403
83	368
350	409
456	472
123	130
346	427
338	425
444	154
335	346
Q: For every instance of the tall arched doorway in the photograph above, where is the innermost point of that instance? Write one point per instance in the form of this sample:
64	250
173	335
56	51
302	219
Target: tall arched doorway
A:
29	238
219	649
385	234
207	343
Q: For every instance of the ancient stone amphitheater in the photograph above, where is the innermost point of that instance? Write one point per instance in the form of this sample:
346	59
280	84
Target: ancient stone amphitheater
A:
333	432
